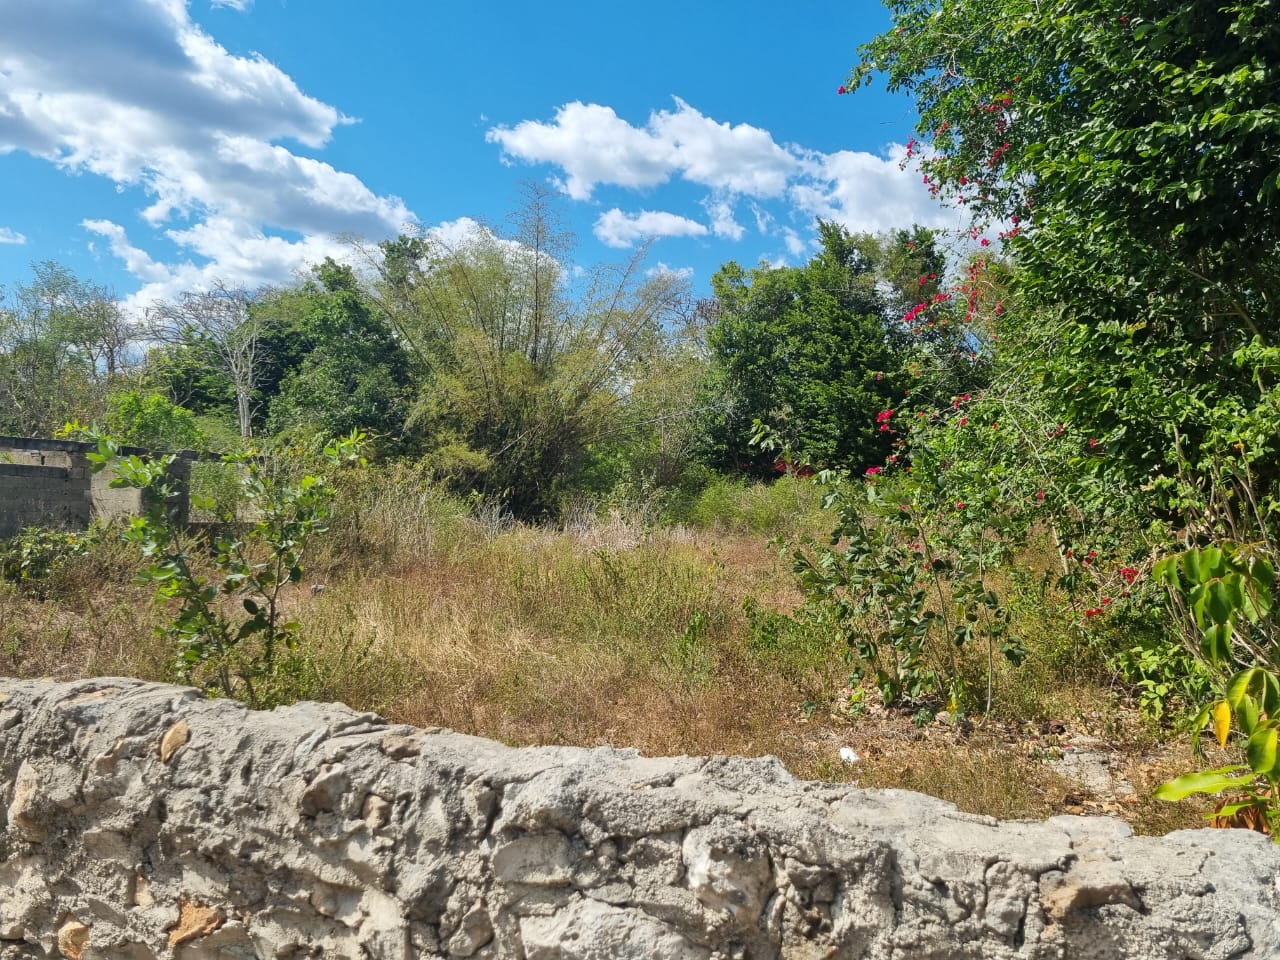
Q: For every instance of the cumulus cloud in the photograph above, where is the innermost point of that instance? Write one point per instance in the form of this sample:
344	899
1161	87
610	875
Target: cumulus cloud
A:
8	235
594	146
865	192
738	159
780	184
795	245
137	93
224	250
662	269
618	229
723	222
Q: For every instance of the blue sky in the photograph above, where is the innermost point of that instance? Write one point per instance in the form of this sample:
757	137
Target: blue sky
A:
158	145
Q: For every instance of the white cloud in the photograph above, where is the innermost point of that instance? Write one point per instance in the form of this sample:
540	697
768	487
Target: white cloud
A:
865	192
742	159
230	251
618	229
764	219
594	146
135	92
795	245
239	5
662	269
723	223
8	235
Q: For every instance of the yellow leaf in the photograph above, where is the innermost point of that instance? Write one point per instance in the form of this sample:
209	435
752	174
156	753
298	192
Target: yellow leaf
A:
1221	714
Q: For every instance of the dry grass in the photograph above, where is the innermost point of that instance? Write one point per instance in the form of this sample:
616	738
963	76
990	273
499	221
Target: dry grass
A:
606	632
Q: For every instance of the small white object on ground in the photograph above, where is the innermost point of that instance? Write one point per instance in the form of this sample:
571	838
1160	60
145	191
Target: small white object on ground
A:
849	755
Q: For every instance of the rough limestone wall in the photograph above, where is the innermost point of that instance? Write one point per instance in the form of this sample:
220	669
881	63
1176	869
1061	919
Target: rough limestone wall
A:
141	820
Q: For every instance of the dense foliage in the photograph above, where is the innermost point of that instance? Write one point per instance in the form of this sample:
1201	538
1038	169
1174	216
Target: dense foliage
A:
1128	158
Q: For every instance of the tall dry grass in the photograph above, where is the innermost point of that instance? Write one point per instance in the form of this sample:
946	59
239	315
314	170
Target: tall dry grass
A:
606	629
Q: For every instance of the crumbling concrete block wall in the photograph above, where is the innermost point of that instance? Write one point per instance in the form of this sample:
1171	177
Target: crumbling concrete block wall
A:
48	483
32	494
141	820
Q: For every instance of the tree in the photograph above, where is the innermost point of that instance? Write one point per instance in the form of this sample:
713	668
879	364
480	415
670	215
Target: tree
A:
351	372
524	365
62	341
1130	155
807	349
149	420
220	321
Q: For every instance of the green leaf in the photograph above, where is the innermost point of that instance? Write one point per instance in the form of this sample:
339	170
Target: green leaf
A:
1190	566
1248	715
1216	643
1262	748
1206	781
1218	603
1165	572
1231	809
250	627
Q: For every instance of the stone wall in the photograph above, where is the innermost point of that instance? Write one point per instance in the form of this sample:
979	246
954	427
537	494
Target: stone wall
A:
48	483
141	820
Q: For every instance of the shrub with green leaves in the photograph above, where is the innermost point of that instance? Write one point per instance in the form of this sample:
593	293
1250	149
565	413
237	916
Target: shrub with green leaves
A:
33	555
1225	592
230	623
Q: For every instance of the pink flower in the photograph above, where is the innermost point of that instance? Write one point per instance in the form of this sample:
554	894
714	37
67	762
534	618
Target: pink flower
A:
872	471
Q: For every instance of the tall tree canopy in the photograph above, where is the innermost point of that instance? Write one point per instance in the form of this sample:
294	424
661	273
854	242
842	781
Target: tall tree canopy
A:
62	341
1129	154
351	371
526	363
807	349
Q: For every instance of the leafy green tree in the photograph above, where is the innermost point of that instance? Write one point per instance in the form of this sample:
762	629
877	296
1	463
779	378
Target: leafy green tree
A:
229	627
807	349
62	341
525	364
352	372
150	420
1129	153
187	375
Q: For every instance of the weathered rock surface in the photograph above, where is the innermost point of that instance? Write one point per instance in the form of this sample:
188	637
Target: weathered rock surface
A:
140	820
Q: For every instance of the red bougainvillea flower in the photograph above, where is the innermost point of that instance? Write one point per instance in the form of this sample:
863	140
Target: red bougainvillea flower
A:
872	471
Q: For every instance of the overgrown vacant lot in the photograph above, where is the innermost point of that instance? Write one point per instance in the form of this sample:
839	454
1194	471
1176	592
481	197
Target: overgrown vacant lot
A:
609	630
